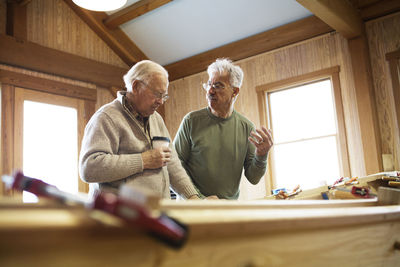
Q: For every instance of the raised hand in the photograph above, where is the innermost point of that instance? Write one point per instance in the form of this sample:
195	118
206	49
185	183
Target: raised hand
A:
262	141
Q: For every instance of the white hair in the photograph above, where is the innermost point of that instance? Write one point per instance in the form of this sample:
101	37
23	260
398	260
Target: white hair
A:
143	71
225	66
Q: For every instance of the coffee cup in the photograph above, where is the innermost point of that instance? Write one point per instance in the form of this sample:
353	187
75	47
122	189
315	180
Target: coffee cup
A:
160	141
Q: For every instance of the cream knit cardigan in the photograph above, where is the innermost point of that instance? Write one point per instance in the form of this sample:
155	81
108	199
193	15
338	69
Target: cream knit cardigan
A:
111	153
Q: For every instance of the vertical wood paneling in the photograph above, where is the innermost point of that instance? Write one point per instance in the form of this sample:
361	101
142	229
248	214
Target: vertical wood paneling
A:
384	37
103	97
186	95
53	24
365	97
3	16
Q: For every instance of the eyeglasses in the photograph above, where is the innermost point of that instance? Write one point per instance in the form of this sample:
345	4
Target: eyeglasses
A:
157	95
218	86
160	96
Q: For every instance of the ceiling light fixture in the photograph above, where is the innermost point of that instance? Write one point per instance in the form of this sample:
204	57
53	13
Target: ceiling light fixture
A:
100	5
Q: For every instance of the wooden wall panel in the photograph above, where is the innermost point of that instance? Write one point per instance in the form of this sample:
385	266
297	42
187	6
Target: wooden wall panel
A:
47	76
319	53
53	24
3	16
352	121
103	97
384	37
185	95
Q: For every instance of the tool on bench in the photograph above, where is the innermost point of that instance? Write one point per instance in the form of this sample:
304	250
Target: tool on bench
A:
283	193
394	184
344	181
391	178
164	228
358	191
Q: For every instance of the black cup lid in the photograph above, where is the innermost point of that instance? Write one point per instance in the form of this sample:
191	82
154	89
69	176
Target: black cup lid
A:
160	138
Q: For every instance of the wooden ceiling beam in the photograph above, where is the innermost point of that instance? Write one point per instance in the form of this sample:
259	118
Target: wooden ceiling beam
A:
339	14
28	55
116	39
285	35
133	11
379	9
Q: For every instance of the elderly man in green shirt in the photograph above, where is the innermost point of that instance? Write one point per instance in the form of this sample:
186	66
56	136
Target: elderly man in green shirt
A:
216	143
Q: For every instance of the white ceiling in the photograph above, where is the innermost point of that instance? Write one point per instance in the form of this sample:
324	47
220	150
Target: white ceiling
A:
184	28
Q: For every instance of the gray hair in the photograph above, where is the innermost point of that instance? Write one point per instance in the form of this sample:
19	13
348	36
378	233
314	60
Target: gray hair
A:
225	66
143	71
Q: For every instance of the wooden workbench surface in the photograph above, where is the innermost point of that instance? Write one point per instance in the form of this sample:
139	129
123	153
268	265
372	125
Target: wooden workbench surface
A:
222	233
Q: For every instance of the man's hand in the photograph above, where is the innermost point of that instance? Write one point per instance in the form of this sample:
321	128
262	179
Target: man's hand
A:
262	141
197	197
156	158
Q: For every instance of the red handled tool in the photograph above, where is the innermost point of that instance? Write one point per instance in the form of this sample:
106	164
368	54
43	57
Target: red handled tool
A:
164	228
358	191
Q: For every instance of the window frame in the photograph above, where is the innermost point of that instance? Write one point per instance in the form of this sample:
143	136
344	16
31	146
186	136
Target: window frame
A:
393	59
264	111
11	144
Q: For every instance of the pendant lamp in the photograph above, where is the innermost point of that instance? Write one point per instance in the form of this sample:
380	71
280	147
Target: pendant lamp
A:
100	5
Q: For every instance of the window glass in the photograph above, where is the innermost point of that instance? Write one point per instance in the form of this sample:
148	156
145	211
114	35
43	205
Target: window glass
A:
303	112
50	146
309	163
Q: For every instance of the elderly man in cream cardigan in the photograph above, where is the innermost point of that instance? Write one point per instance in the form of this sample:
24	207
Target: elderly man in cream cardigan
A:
117	147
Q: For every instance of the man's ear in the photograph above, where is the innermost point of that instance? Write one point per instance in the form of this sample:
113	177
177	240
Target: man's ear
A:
235	91
135	84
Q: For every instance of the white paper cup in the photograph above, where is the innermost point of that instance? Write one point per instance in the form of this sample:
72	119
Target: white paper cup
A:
160	141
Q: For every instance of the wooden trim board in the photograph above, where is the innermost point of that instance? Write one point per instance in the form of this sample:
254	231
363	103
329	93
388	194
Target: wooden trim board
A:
28	55
46	85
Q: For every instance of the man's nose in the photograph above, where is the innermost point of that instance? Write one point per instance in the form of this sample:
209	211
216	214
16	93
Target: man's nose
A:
160	101
211	90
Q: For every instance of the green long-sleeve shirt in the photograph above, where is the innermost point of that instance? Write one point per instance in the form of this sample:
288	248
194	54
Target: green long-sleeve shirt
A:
214	152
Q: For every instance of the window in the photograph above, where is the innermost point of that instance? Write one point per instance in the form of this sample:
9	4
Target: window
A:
305	116
47	136
43	121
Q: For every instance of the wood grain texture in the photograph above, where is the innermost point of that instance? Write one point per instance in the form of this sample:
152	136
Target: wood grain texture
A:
16	20
116	39
394	65
379	9
3	16
365	97
133	11
7	132
331	236
47	76
46	85
103	97
383	37
339	14
53	24
25	54
85	111
352	122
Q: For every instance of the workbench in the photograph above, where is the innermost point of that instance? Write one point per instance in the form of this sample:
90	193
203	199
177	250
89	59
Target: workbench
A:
362	232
